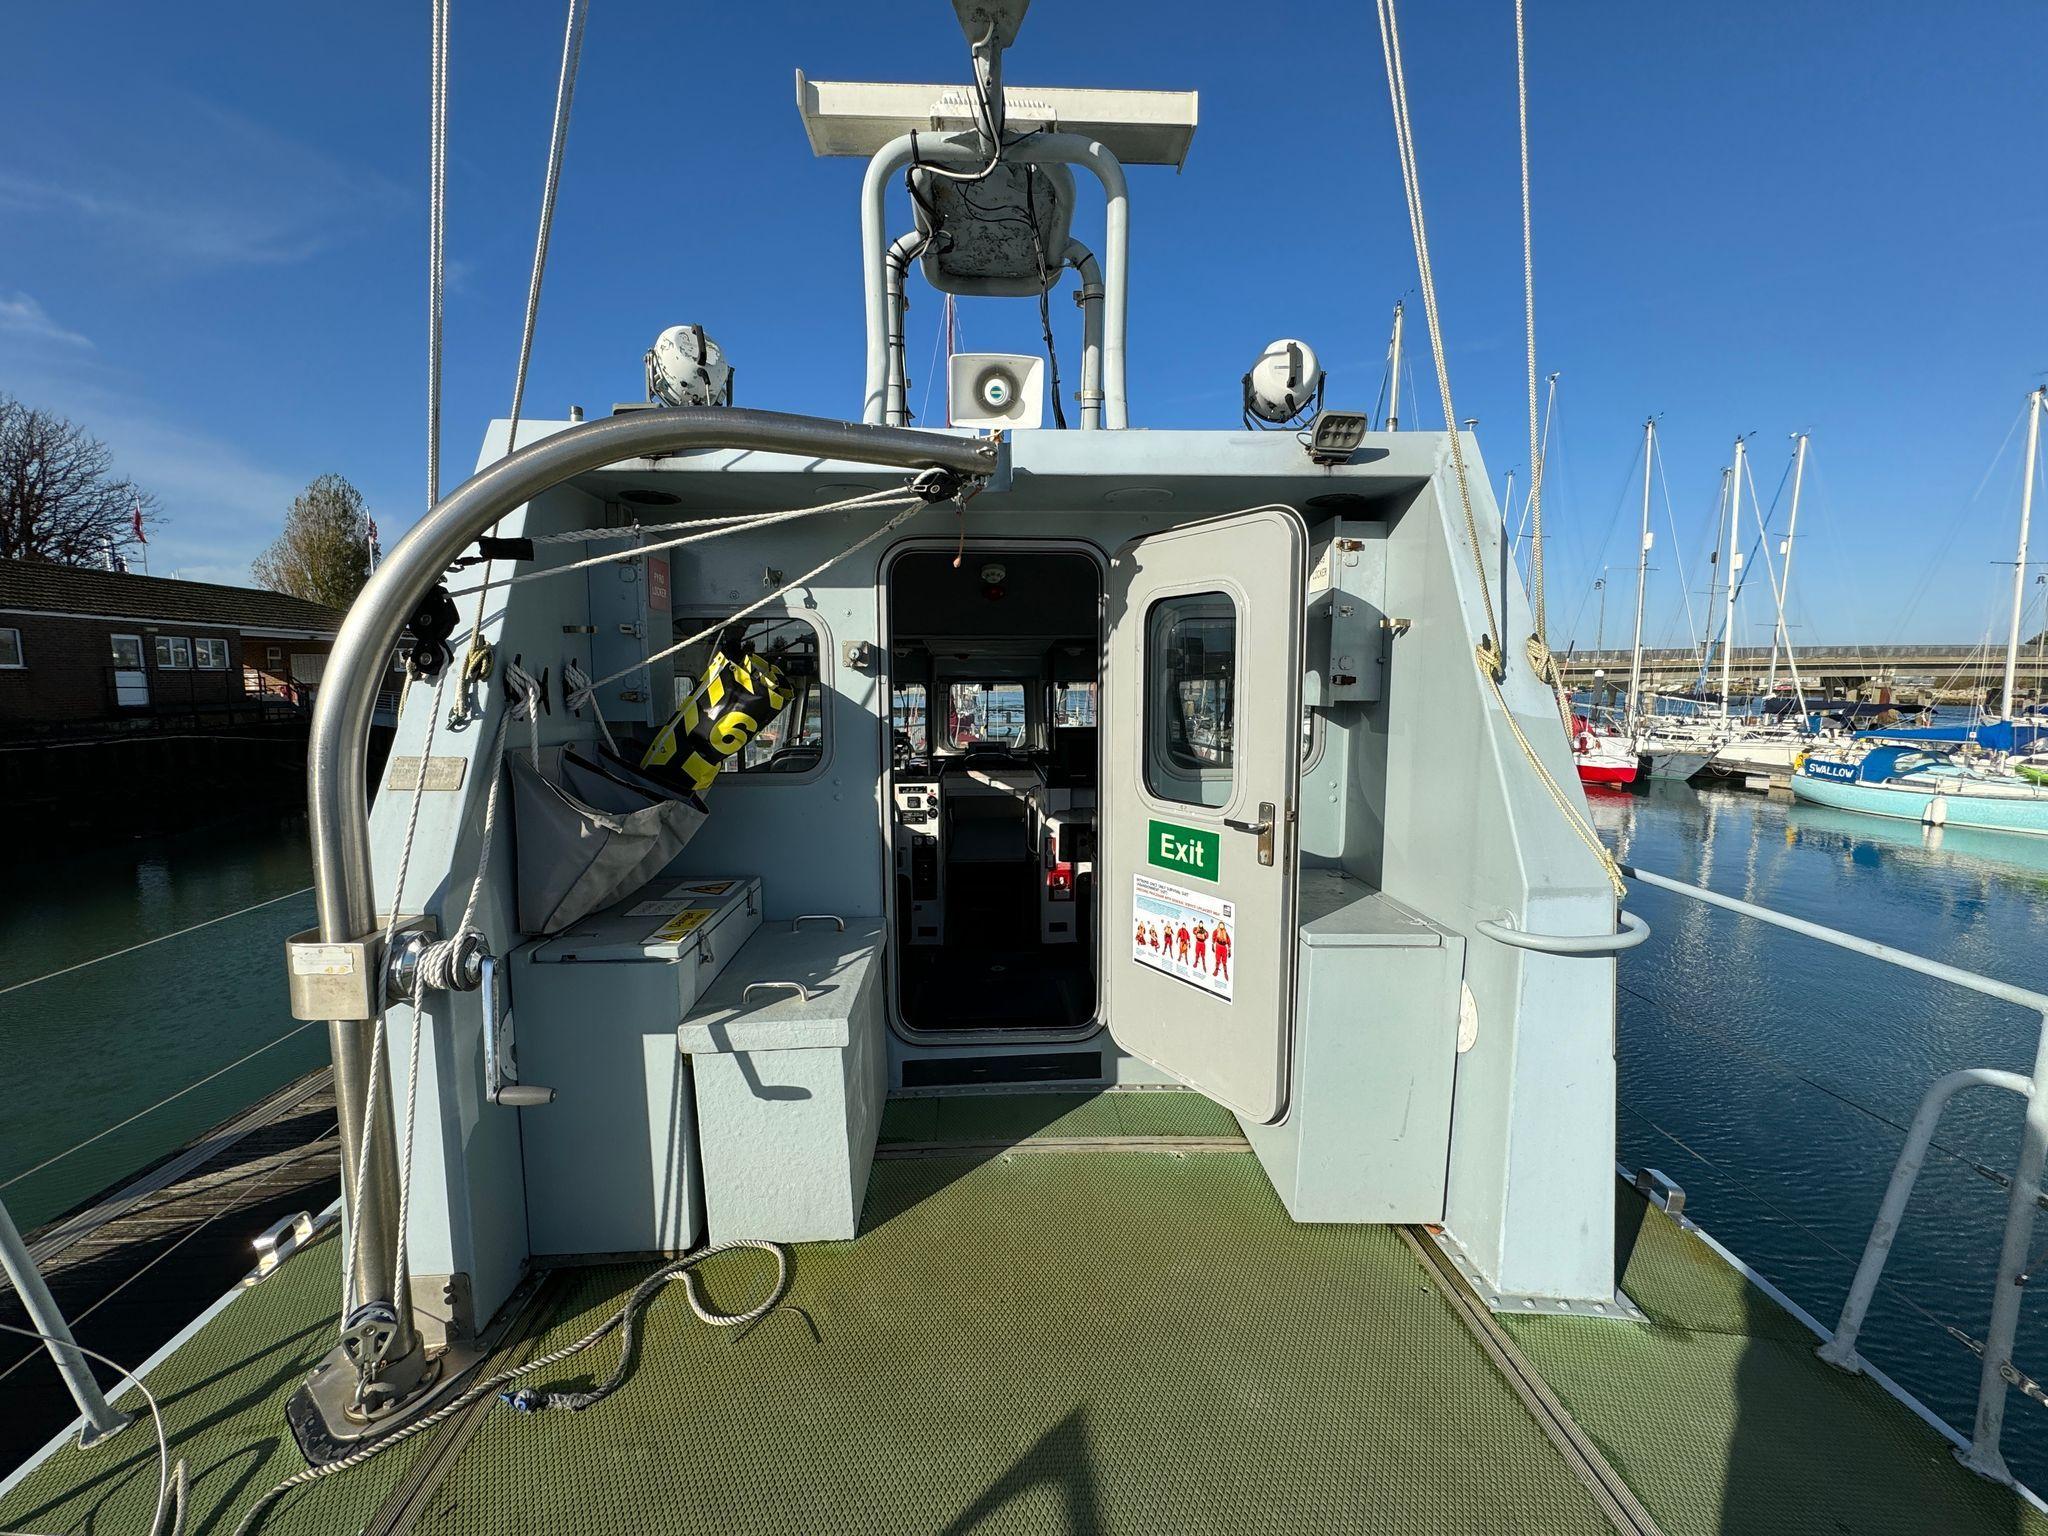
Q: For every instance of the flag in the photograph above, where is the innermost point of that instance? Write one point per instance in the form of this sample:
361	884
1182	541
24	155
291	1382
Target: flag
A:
140	536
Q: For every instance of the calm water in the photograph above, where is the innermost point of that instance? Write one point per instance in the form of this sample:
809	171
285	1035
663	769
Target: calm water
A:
1768	1074
84	1050
1772	1076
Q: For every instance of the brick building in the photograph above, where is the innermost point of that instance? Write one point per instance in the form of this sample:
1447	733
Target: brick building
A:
82	647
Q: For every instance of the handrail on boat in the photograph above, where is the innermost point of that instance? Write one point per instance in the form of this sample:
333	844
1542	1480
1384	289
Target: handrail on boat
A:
1632	930
1982	1454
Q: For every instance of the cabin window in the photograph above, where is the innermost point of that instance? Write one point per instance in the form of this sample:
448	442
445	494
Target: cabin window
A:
1073	704
212	655
1190	712
173	653
987	714
794	741
910	719
10	649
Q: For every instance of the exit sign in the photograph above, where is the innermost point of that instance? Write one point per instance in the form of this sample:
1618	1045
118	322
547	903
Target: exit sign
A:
1185	850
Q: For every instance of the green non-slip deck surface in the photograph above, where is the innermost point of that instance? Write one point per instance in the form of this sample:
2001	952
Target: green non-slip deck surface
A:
1725	1423
1098	1340
1015	1117
223	1396
1114	1341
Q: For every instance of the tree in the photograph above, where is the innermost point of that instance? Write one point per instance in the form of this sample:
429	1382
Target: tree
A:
323	555
59	497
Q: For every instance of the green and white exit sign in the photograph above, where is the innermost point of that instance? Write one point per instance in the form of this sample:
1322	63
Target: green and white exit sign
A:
1185	850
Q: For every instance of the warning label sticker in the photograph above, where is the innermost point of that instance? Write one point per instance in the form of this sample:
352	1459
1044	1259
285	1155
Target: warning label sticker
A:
680	926
1187	934
700	888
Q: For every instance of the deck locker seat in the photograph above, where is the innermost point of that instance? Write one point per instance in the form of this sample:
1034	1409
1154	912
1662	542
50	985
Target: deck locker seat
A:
611	1165
789	1062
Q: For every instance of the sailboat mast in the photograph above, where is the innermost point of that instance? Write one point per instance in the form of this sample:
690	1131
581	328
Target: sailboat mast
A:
1635	660
1733	571
1785	577
1394	372
2019	560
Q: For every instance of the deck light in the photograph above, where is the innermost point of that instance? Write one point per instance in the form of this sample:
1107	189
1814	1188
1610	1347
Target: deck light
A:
1335	435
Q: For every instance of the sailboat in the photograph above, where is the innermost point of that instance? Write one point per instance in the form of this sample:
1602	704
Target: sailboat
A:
1665	747
1969	775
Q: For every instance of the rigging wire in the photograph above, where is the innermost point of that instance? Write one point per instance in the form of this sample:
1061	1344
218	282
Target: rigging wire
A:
477	662
1961	1336
437	240
1489	654
115	954
168	1098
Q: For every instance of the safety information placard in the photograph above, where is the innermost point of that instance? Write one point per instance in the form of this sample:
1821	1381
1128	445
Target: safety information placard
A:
682	924
1187	934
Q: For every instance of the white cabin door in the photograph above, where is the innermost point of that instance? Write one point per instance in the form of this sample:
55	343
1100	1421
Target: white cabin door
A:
1201	768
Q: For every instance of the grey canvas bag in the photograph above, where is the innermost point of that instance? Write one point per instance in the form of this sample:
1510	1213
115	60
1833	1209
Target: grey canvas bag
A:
589	832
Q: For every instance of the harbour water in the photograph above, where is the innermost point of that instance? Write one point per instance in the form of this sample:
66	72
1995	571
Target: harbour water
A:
1769	1075
83	1049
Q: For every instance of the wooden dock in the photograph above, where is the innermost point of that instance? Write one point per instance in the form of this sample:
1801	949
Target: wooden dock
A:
132	1266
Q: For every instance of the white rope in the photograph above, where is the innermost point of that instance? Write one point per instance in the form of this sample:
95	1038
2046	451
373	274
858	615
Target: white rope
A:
444	965
349	1299
624	1319
476	663
558	141
437	241
1411	179
1488	653
1532	505
711	528
760	602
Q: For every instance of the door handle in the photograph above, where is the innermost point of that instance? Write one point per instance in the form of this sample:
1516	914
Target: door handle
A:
1262	829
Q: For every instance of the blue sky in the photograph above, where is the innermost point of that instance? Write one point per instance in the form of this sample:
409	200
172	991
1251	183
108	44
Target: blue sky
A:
1750	218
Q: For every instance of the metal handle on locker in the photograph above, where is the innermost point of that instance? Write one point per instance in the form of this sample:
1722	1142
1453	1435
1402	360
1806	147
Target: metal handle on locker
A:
833	918
1262	828
501	1061
797	987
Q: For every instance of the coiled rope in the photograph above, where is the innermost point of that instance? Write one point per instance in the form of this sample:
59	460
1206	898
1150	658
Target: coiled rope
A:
1488	653
625	1321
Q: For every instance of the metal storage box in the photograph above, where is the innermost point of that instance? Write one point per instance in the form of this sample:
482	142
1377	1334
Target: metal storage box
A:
790	1084
1368	1126
611	1164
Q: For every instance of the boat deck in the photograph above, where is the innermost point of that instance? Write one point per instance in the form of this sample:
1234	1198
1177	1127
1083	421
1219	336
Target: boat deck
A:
1076	1314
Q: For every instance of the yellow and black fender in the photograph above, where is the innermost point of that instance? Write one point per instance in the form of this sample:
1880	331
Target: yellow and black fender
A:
740	694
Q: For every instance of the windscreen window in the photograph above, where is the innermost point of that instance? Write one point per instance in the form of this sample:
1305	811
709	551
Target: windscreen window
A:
910	718
1073	704
986	714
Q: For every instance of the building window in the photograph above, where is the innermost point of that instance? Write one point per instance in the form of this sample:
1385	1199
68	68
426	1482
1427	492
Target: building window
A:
212	655
273	659
794	741
125	651
1190	718
10	648
173	653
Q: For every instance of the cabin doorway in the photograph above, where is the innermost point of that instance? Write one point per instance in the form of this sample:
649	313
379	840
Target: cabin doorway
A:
993	688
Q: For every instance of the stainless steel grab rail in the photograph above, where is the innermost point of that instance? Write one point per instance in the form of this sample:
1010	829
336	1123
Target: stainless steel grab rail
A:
1982	1453
357	666
1632	931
